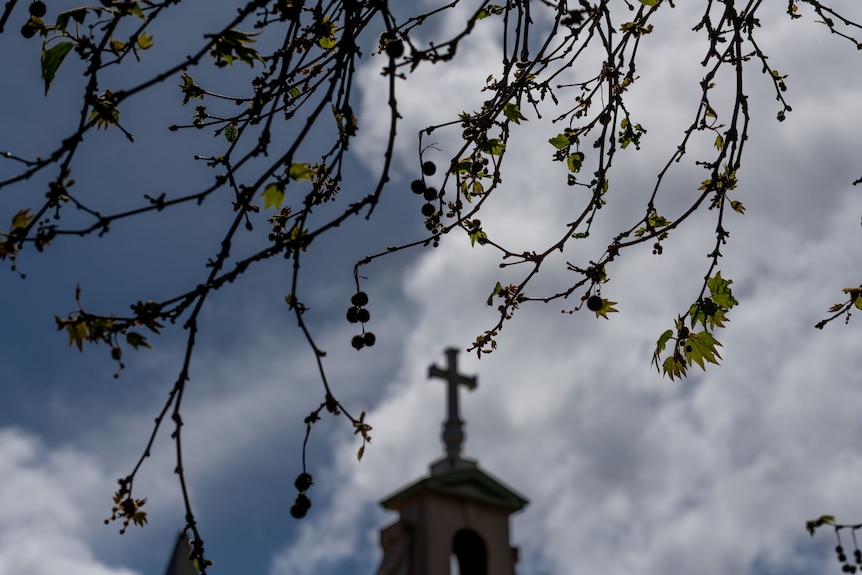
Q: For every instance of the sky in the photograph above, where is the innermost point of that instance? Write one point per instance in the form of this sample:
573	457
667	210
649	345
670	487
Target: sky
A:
625	470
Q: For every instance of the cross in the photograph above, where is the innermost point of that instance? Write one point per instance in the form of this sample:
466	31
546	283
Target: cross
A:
453	432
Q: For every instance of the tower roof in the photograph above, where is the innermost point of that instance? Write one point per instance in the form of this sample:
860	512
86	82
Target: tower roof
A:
471	483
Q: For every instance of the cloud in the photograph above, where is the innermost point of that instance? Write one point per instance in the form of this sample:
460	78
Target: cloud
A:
47	525
625	470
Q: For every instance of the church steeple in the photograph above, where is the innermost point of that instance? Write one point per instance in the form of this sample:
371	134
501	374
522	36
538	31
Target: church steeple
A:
457	512
453	428
179	563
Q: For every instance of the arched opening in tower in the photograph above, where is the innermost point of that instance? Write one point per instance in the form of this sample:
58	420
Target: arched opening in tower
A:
470	553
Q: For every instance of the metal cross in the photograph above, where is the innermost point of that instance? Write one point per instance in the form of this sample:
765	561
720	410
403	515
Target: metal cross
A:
453	431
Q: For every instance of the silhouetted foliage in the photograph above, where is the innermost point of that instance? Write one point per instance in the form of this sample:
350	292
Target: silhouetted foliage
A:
570	64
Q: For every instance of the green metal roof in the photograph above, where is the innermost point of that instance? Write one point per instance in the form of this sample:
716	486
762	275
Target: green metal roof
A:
471	483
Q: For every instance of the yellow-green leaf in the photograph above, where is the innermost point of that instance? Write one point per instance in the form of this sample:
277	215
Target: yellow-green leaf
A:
273	196
574	161
513	113
720	290
661	344
21	219
607	307
700	348
131	8
300	171
490	10
328	41
145	42
497	289
78	332
494	147
674	366
478	236
560	141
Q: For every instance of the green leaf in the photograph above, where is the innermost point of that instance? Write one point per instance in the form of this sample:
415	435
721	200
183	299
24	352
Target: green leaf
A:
489	10
230	133
574	161
76	14
650	3
674	366
234	45
560	141
700	348
273	196
105	112
464	166
720	290
478	236
22	218
300	171
813	524
297	234
136	340
607	307
661	344
124	8
497	289
78	332
328	40
51	60
190	89
494	147
144	42
513	113
630	134
703	313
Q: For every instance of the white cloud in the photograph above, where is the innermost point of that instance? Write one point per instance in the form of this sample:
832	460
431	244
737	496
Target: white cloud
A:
47	524
628	471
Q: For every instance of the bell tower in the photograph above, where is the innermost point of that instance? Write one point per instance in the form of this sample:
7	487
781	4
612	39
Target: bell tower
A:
458	512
